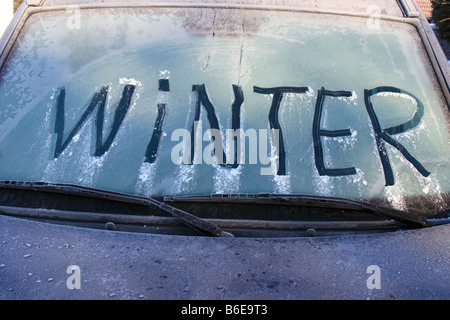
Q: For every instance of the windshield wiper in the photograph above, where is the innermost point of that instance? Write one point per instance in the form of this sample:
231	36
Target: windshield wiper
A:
184	217
211	227
301	200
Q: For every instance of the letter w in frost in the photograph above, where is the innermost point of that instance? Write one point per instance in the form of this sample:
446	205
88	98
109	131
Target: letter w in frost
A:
98	102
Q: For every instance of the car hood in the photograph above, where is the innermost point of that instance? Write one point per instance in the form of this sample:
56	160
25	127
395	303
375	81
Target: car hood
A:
412	264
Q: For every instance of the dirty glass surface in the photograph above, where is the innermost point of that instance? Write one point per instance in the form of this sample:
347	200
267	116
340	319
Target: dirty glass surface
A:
200	101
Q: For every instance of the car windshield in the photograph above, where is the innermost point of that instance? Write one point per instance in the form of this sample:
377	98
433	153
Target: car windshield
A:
198	101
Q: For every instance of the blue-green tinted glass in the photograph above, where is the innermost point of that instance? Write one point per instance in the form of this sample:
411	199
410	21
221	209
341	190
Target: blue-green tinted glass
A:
200	101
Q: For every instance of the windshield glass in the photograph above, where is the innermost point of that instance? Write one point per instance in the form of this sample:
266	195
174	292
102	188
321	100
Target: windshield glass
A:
170	102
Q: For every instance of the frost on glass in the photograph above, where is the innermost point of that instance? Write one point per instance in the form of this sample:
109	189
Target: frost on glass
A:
172	59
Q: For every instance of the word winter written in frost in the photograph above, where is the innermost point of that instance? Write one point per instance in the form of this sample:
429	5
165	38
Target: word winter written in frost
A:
188	152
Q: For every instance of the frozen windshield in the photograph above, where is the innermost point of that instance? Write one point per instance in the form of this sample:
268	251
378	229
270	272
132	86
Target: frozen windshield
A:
175	102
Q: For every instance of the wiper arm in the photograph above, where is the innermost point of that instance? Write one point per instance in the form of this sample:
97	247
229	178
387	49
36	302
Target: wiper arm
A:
302	200
184	217
208	227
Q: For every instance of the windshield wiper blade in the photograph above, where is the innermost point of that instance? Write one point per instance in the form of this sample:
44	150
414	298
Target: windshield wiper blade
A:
209	228
184	217
303	200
